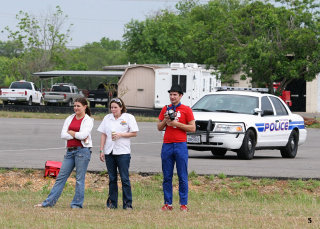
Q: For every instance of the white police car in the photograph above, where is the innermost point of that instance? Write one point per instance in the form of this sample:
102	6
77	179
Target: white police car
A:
244	120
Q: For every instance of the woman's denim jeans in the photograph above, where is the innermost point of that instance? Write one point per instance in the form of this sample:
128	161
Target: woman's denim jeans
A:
78	159
122	162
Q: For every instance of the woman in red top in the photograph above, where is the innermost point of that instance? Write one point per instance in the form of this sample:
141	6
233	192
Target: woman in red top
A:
77	133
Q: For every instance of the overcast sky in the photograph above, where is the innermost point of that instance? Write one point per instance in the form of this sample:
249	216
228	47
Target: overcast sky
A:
91	19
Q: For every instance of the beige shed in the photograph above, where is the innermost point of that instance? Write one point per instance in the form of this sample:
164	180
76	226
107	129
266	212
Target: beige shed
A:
137	86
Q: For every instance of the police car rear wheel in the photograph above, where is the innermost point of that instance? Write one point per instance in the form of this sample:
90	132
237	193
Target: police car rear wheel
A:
290	150
247	149
218	152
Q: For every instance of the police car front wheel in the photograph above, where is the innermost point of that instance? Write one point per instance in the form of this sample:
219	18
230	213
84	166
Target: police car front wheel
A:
248	146
290	150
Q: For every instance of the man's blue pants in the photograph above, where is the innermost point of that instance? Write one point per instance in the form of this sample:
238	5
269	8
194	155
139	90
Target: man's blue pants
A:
172	153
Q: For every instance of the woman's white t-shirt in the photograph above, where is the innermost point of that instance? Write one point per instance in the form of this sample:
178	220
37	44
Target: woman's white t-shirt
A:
125	123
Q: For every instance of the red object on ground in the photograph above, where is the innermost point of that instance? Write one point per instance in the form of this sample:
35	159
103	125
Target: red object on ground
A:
52	168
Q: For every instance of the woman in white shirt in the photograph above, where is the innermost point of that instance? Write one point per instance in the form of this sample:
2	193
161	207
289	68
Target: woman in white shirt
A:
77	133
116	130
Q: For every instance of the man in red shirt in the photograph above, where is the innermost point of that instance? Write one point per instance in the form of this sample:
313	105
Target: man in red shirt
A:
177	119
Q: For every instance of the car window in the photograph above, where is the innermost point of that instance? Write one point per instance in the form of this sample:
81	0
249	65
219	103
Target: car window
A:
21	85
60	88
227	103
280	108
266	106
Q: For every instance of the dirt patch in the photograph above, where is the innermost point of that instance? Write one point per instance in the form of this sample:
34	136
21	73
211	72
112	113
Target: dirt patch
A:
15	180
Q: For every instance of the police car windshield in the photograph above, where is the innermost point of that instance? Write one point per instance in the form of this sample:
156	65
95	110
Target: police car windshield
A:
228	103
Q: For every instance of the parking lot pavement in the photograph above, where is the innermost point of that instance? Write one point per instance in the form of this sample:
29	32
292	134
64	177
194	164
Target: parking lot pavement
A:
28	143
308	115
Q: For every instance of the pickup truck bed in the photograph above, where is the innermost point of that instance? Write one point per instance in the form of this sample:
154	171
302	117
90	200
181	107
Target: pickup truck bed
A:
62	94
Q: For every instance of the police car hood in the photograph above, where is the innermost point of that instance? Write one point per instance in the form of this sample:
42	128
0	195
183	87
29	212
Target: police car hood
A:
222	116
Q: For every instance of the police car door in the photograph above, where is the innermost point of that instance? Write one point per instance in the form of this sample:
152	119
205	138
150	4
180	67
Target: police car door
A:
266	124
282	121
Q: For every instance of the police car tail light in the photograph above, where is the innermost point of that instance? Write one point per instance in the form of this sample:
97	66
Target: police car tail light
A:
232	128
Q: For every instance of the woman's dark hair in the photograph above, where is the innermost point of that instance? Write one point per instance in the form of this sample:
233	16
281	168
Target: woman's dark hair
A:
120	103
84	102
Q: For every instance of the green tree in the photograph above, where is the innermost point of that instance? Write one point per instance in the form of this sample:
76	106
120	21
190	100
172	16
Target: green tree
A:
270	43
159	39
10	48
42	41
267	42
8	70
94	56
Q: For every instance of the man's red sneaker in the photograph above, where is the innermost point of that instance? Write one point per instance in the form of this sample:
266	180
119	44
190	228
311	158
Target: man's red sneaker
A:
167	207
184	208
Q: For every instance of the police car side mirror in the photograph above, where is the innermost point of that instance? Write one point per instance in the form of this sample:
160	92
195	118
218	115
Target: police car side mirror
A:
267	112
257	111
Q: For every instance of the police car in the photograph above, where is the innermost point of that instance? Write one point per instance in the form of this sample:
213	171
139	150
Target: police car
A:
244	120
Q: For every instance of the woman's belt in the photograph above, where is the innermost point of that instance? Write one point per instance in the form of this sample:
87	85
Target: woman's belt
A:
73	148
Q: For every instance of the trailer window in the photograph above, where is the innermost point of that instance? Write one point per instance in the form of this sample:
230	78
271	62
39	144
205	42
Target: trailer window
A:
180	80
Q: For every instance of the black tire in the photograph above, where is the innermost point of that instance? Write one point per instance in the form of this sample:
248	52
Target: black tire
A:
70	103
291	149
219	152
41	102
247	149
30	101
92	104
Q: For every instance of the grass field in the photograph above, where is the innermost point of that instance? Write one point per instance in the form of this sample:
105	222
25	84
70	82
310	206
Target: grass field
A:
214	202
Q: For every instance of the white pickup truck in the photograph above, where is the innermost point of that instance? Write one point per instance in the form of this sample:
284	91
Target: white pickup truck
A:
62	93
21	91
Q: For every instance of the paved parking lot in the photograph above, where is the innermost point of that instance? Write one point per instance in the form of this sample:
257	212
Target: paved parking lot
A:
28	143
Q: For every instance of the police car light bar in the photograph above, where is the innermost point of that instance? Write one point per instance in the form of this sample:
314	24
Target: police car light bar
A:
226	88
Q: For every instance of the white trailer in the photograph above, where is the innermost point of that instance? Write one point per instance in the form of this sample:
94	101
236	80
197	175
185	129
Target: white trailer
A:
194	80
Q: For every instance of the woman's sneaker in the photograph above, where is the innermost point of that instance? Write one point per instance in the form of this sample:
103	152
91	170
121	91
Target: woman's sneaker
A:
167	207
